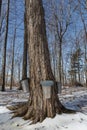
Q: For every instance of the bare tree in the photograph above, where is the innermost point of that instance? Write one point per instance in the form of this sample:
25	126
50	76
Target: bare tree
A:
38	107
60	22
5	46
76	67
24	69
2	18
0	7
83	12
12	68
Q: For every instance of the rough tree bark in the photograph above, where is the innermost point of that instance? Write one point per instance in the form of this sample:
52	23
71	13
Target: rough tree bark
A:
38	108
85	43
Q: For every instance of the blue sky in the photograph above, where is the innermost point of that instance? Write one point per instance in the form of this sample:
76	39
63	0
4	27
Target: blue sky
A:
72	31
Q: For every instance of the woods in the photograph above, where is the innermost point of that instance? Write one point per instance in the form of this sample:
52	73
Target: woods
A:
53	47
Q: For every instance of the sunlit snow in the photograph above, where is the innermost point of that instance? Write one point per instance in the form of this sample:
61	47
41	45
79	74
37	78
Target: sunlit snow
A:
74	98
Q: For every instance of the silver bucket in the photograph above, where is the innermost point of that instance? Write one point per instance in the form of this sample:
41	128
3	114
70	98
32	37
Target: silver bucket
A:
59	85
25	85
0	88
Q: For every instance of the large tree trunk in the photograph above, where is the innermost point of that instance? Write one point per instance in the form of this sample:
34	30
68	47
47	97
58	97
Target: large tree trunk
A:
38	107
40	68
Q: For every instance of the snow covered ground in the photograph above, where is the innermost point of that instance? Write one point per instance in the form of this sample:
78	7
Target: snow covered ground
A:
74	98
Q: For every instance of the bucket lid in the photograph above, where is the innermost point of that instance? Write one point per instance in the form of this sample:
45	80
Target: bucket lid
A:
47	83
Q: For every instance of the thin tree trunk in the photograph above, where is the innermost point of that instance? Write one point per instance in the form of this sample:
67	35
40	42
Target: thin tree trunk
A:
19	67
86	60
60	60
4	49
25	51
7	78
24	69
78	71
62	72
0	7
65	76
13	49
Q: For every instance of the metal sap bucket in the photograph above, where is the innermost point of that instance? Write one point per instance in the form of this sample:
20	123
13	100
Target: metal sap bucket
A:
46	87
0	88
59	85
25	85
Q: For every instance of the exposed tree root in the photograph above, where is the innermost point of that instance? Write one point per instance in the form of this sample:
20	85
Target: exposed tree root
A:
20	111
38	117
14	107
29	113
42	116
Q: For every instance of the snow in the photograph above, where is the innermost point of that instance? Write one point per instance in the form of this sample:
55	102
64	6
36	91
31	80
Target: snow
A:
75	98
3	109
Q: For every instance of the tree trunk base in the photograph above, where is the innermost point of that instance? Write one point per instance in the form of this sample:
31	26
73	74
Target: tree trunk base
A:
29	113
